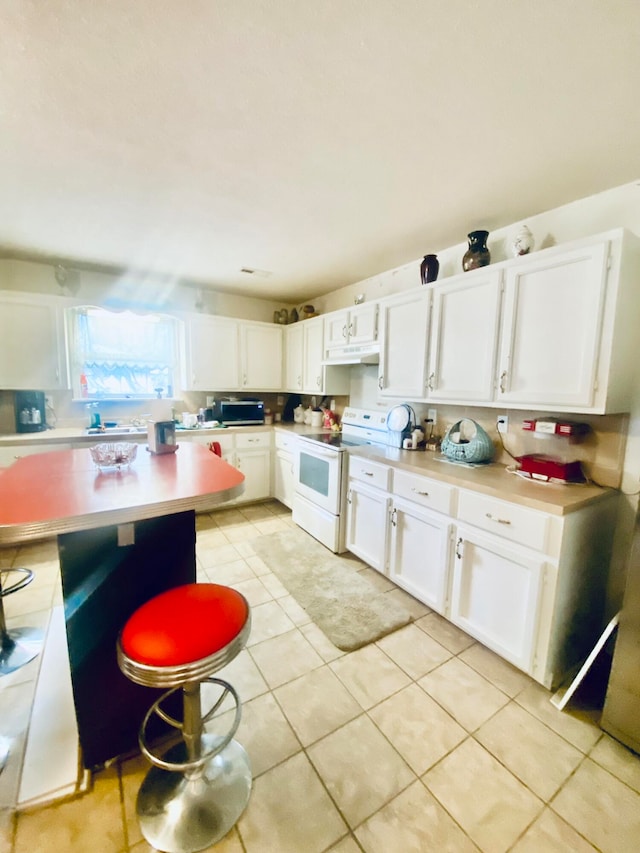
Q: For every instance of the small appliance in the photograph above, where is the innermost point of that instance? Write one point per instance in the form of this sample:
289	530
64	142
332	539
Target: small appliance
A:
401	421
162	437
30	411
239	412
536	466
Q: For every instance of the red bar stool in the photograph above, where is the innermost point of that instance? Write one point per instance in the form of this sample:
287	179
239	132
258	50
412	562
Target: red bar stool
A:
20	645
199	787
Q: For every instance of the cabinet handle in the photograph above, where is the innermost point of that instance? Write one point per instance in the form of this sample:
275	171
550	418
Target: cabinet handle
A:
380	382
350	330
458	544
349	496
432	376
368	473
497	520
418	492
503	381
394	517
253	440
318	381
344	331
244	379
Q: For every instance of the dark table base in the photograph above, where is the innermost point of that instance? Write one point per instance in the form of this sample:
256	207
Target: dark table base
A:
103	583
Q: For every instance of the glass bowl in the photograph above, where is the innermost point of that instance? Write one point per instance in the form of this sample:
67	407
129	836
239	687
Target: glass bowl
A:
116	454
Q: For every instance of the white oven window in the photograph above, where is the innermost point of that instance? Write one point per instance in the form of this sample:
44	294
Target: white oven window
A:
314	474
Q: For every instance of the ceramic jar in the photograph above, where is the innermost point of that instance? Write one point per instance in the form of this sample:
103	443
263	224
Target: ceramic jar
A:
429	268
523	242
478	254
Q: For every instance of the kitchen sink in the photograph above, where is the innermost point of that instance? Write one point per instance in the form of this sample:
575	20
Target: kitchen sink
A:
117	430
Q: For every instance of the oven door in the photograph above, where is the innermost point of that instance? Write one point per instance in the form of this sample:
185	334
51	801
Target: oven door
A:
318	474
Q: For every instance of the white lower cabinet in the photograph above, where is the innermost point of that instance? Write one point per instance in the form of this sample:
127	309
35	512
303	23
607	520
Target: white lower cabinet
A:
367	520
10	453
495	594
528	584
253	458
284	467
419	552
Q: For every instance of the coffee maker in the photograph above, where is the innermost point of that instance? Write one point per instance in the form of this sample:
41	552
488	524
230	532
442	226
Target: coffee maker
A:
31	414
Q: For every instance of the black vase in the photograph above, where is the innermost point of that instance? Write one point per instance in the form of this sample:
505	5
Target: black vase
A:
478	254
429	268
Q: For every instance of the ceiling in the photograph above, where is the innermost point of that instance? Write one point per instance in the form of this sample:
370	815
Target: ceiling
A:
319	141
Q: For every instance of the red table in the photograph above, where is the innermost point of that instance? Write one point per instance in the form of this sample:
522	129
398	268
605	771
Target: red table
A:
123	537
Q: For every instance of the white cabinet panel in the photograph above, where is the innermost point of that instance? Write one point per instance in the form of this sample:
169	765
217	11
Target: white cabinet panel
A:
367	519
261	362
294	357
313	371
213	354
419	552
358	326
404	335
9	453
551	328
464	338
496	594
283	477
428	493
32	353
518	523
256	467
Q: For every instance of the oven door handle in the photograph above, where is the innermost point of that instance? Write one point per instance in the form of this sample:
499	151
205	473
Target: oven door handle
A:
325	454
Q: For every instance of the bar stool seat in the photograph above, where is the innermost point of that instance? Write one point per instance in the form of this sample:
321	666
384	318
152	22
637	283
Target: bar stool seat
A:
199	787
19	645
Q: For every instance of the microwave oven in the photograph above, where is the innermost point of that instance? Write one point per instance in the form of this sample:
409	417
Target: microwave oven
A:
239	412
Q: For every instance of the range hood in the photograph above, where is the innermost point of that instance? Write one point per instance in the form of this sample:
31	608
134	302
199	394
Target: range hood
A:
354	354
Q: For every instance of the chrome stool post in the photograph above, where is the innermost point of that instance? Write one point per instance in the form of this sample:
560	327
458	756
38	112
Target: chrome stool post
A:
20	645
197	788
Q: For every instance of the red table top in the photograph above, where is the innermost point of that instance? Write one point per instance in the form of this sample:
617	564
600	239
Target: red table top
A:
62	491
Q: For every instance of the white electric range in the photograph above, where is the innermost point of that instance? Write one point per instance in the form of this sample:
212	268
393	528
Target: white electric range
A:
321	473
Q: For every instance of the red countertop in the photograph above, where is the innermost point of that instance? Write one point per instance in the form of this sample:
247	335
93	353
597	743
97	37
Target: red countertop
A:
62	491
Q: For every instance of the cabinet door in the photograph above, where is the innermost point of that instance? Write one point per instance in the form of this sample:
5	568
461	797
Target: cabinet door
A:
256	467
496	594
464	339
336	329
261	356
404	324
283	478
419	553
363	324
313	373
213	347
551	329
32	351
367	519
9	453
294	361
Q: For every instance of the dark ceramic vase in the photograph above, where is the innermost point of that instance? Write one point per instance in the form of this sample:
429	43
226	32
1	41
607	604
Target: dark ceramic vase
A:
478	254
429	268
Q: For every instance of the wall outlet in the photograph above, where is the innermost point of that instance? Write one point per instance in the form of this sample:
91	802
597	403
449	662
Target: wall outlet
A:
502	423
432	415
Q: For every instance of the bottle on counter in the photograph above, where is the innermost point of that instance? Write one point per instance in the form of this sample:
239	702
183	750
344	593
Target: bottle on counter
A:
84	386
36	417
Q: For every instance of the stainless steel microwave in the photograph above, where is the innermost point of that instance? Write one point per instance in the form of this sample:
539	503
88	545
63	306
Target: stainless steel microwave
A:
239	412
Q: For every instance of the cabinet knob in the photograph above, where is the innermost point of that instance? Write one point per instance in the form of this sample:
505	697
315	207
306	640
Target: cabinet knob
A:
349	496
503	381
368	473
497	520
394	517
458	544
344	332
418	492
381	382
430	381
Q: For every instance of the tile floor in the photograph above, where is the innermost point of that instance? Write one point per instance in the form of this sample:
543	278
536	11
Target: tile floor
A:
423	741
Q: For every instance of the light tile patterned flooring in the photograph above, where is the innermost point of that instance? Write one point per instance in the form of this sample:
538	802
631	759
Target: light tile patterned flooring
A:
423	741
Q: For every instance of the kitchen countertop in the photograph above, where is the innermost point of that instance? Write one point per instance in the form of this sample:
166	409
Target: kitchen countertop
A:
493	479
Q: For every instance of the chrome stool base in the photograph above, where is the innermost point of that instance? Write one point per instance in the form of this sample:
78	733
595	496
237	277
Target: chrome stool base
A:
18	647
186	812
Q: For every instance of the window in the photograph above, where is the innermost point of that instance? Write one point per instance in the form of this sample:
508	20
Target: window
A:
120	354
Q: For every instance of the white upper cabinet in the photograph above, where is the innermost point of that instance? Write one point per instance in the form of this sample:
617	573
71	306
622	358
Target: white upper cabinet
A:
312	368
32	352
224	354
261	359
404	336
464	338
213	354
357	326
570	321
294	357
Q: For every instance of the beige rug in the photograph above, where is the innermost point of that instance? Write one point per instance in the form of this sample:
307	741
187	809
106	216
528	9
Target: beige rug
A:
344	605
